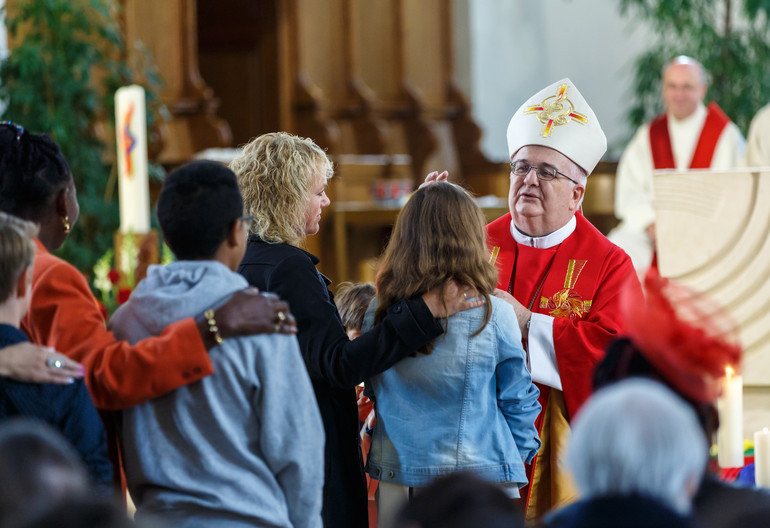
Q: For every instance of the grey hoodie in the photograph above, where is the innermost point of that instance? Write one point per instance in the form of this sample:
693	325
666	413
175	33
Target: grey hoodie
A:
242	447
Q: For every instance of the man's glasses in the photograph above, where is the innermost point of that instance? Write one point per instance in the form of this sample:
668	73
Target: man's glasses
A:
521	169
248	221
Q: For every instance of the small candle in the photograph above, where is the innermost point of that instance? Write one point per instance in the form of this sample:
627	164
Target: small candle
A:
730	434
762	458
133	184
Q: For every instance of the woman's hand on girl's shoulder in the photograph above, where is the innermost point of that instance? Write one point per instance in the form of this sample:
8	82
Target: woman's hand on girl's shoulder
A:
38	364
443	301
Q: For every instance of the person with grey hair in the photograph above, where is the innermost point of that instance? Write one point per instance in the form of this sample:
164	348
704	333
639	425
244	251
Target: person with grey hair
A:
637	456
688	135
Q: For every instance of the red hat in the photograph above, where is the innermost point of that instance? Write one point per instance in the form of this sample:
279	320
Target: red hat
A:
687	337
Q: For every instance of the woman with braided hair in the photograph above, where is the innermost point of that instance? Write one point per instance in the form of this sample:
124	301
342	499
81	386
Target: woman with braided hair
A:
36	184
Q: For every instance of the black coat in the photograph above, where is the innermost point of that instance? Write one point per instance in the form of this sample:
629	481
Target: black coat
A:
336	364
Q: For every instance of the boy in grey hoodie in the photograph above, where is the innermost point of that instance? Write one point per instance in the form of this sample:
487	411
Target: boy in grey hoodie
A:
243	447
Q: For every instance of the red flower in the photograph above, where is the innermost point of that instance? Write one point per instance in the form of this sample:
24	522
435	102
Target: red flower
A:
123	295
114	276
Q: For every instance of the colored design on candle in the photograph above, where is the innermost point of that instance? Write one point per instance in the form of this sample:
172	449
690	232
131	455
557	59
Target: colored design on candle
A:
129	140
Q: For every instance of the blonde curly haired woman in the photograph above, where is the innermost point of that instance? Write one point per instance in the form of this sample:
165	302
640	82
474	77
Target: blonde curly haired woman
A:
283	181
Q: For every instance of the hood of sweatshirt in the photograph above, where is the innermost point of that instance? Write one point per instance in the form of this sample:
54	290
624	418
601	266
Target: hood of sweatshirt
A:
174	292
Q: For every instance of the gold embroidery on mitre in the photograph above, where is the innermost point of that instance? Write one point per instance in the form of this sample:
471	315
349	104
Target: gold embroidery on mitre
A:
555	111
567	302
493	255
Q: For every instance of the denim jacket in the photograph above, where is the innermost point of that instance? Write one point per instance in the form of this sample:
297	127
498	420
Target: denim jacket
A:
469	405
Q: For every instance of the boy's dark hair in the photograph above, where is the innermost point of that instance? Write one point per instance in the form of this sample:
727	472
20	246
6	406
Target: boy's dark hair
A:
197	207
460	500
352	300
32	170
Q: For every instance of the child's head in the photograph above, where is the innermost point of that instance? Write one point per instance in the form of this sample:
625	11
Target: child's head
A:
17	255
200	213
439	236
352	300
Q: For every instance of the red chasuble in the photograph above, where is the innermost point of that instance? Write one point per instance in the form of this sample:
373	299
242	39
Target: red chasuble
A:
581	283
660	141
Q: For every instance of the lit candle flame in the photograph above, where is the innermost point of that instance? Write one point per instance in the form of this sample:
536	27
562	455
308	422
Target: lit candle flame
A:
729	371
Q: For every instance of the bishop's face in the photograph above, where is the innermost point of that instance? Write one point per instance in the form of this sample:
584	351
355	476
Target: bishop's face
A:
541	207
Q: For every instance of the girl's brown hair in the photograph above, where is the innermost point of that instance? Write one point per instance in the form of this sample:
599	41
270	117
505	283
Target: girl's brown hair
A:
439	236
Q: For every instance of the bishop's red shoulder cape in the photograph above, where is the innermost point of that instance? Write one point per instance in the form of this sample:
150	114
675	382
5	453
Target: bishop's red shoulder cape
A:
582	291
660	141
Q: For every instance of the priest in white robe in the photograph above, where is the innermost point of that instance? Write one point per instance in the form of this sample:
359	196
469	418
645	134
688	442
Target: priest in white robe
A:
689	135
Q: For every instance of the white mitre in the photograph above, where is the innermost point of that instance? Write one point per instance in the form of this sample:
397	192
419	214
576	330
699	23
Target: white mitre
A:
559	117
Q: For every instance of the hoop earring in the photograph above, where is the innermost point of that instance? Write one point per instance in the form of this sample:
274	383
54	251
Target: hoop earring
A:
66	223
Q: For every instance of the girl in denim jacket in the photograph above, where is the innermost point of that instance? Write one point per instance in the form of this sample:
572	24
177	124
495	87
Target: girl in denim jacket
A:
467	403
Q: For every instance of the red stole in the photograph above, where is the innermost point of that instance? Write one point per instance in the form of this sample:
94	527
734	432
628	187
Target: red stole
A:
660	141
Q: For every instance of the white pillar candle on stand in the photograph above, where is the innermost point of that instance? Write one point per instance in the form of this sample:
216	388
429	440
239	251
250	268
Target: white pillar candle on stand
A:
730	434
133	185
762	458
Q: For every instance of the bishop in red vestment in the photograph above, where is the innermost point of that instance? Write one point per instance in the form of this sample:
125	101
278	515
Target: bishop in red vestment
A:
562	276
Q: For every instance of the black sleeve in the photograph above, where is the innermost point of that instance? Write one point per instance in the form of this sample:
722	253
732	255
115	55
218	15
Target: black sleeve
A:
329	354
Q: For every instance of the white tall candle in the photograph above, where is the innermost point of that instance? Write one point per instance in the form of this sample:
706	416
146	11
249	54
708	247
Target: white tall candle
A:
133	186
762	458
730	434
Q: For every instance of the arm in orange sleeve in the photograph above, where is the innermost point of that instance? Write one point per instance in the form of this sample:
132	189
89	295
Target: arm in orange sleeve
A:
580	344
64	315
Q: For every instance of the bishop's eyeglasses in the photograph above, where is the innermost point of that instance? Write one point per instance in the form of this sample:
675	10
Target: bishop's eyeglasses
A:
521	169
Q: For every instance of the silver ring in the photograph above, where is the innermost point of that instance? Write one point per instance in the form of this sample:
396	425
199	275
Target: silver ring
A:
55	362
281	316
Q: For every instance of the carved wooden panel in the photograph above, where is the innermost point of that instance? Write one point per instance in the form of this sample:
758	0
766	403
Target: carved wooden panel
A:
713	233
169	30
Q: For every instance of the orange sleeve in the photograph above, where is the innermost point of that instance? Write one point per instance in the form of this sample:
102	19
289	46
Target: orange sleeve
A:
64	315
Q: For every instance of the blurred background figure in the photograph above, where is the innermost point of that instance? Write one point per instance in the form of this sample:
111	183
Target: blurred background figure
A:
636	458
460	500
352	300
758	142
688	135
38	471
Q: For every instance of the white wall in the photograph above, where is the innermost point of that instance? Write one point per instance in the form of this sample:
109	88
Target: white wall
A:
517	47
